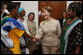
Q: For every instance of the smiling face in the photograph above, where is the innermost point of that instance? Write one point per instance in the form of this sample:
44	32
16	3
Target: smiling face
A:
45	14
31	17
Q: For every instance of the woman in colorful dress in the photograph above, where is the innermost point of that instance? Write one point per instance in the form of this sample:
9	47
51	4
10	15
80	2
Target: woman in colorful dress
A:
4	44
15	30
21	14
72	31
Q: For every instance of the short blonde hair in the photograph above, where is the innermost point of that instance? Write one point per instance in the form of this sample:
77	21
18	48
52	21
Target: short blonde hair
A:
49	9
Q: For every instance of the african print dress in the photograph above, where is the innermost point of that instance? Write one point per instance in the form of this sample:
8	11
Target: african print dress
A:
71	37
15	31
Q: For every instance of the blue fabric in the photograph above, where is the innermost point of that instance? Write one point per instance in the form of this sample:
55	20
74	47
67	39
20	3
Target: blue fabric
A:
9	24
15	23
20	22
22	39
20	9
6	27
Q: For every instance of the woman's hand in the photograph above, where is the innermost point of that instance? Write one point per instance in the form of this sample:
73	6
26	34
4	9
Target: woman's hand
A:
34	39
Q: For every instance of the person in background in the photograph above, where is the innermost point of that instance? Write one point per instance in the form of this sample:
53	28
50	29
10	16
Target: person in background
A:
4	49
21	14
32	30
63	19
72	31
49	31
31	24
5	12
14	29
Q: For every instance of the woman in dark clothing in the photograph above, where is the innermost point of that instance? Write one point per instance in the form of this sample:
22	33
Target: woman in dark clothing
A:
63	19
72	30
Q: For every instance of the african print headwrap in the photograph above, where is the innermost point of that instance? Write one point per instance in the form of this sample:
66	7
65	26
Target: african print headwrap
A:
76	7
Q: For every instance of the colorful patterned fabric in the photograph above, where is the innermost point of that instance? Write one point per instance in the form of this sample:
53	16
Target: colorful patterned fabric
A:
20	22
15	34
75	39
15	31
23	43
6	39
4	35
65	38
10	24
76	7
3	20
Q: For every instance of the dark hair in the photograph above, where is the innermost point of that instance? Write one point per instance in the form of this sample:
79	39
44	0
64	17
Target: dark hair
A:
31	13
4	15
11	6
76	7
64	11
18	3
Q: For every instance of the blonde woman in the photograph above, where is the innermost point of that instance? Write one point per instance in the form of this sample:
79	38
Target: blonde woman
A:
49	32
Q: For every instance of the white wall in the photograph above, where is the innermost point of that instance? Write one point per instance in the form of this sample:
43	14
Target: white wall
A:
30	6
68	2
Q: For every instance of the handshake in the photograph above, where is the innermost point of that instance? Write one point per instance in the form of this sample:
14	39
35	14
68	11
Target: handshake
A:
34	39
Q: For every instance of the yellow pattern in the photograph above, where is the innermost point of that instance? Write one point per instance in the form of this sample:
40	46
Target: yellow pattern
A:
15	35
